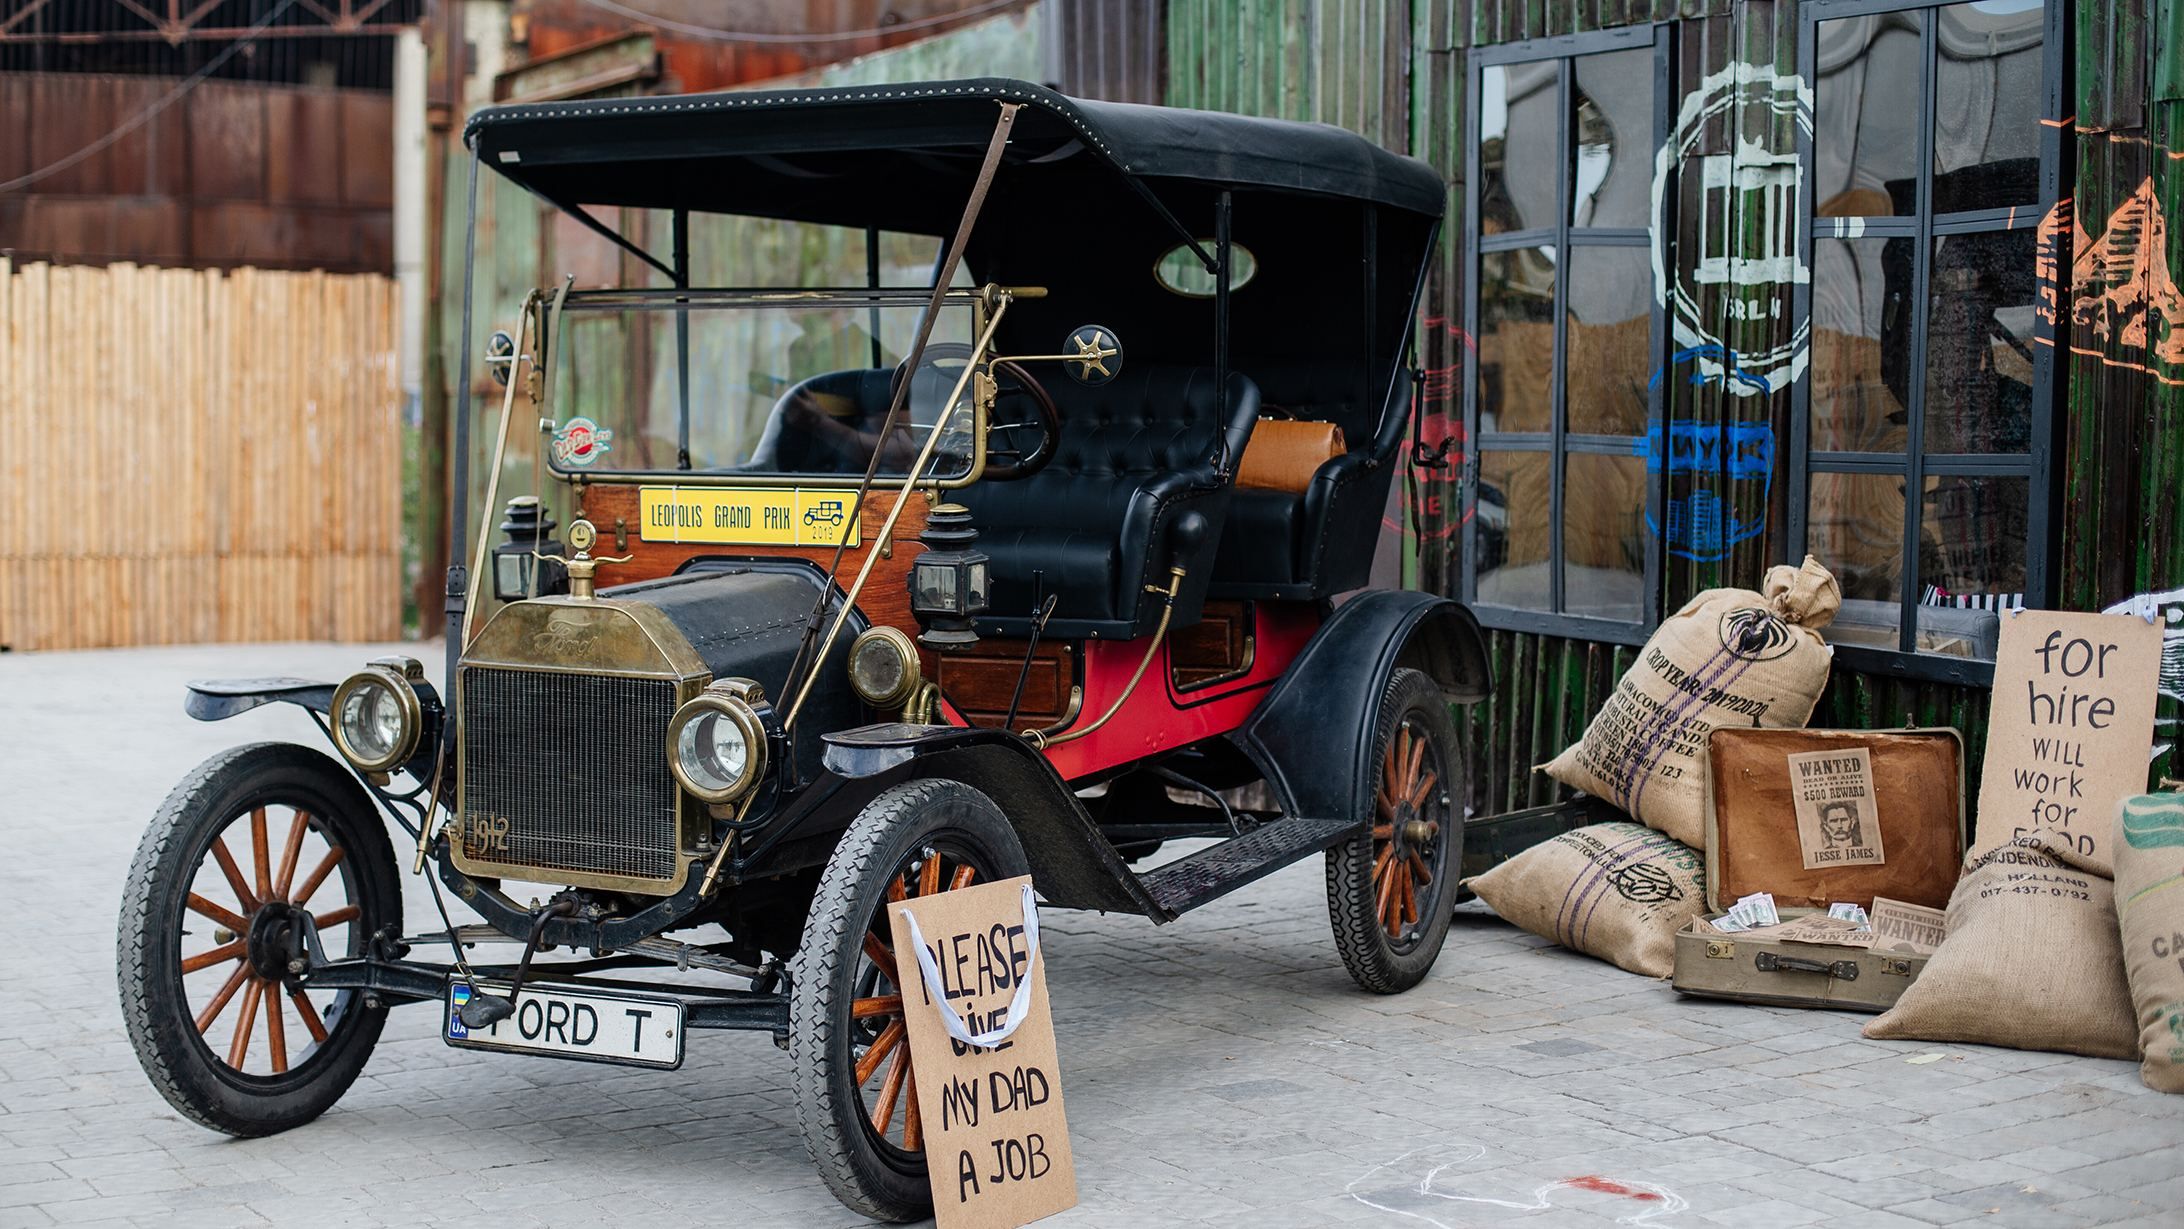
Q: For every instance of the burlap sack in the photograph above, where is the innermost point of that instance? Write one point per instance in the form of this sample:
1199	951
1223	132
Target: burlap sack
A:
2149	853
2031	960
1617	891
1730	657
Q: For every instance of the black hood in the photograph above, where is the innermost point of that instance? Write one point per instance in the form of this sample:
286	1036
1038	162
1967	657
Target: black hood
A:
745	619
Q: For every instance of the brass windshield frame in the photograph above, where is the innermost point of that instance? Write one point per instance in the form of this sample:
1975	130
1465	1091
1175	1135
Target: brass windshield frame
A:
980	300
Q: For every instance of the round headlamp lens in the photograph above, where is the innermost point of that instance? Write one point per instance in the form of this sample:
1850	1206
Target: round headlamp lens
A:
371	721
713	752
883	667
374	719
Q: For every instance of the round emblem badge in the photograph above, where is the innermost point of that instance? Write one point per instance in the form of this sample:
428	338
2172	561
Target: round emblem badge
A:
1745	273
1093	355
581	442
1755	634
1645	884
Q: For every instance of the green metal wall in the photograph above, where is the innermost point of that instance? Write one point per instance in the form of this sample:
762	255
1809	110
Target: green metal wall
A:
2121	431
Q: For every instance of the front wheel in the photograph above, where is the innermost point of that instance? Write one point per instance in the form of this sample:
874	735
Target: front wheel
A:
856	1095
1391	889
211	939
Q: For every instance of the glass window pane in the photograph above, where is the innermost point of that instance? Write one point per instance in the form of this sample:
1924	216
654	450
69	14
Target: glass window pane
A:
1979	343
1971	561
1866	115
1861	344
1614	157
1512	528
1987	103
1604	536
1517	340
1854	525
1605	365
1520	145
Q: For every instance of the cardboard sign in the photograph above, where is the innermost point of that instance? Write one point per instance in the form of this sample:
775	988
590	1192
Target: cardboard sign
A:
1907	929
1838	816
996	1144
2070	730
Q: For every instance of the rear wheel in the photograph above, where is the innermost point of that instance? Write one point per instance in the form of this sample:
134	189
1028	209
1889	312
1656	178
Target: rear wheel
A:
856	1094
1390	890
253	849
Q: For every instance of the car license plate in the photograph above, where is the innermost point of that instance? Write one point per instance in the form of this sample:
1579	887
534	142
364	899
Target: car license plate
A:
631	1029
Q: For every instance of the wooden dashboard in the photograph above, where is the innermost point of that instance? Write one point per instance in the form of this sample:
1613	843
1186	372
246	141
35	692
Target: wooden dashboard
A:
615	510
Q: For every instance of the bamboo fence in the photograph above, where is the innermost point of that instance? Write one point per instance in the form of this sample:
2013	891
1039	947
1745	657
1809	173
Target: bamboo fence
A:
191	456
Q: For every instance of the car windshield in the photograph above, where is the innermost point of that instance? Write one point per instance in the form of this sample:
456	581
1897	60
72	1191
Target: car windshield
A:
780	383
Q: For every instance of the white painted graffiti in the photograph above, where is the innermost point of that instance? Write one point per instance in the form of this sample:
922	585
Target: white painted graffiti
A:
1746	226
2169	609
1387	1187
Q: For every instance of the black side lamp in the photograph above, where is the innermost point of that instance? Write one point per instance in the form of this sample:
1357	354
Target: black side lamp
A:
948	581
517	572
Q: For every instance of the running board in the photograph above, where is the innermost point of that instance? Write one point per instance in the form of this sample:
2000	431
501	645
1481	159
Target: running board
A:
1214	872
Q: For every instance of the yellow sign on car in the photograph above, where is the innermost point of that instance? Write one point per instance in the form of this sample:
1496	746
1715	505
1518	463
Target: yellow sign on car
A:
746	516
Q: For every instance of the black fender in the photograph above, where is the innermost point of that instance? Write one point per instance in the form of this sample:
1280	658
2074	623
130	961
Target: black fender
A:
1311	736
1073	865
220	699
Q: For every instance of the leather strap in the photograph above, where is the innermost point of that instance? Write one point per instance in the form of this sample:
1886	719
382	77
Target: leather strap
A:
995	146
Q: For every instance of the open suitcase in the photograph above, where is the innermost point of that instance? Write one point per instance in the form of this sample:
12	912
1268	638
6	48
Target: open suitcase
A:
1916	807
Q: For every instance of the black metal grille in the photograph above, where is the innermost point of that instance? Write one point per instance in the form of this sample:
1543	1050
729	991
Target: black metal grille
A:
576	766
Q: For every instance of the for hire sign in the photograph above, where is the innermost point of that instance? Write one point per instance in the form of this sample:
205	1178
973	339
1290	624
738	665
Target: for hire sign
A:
989	1096
2071	724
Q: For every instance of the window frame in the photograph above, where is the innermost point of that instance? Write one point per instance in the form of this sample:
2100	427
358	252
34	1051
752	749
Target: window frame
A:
1923	227
1559	441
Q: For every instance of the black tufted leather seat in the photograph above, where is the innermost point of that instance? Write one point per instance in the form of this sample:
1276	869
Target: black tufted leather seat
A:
1092	527
1280	545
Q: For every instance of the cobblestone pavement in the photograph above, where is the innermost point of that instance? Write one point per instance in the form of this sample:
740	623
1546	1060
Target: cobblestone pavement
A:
1218	1072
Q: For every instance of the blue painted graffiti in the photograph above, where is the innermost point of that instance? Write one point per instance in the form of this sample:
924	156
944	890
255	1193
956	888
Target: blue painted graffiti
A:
1703	525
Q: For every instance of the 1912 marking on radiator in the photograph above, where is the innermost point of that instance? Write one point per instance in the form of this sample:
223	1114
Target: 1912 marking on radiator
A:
631	1030
489	833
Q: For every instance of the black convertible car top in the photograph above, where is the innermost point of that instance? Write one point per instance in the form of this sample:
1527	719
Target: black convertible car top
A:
788	153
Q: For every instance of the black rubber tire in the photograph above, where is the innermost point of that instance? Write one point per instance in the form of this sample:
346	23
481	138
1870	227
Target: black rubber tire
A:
147	957
1374	962
877	1180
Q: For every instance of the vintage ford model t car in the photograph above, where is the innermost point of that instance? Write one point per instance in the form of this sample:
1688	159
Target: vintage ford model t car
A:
864	593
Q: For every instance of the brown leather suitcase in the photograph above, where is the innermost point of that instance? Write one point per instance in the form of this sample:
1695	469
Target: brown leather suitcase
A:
1752	837
1753	844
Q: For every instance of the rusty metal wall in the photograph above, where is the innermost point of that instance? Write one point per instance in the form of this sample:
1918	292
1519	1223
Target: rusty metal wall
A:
721	44
1111	49
272	176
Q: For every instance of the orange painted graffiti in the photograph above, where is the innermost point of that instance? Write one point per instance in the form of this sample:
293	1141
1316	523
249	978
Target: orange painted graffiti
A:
2122	296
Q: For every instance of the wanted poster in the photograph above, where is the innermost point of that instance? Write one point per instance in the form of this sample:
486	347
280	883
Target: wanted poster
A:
1907	929
1838	822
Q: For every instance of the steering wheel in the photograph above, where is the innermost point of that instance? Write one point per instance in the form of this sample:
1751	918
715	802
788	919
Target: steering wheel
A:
1004	439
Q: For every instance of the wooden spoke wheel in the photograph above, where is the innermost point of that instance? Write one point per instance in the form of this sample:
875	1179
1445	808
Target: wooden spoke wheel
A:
856	1086
1390	889
258	853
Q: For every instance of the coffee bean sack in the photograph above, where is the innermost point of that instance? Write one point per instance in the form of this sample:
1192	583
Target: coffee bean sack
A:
2149	852
1619	891
2031	961
1729	657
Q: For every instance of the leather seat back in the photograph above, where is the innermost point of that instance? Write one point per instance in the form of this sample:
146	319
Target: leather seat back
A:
1133	455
